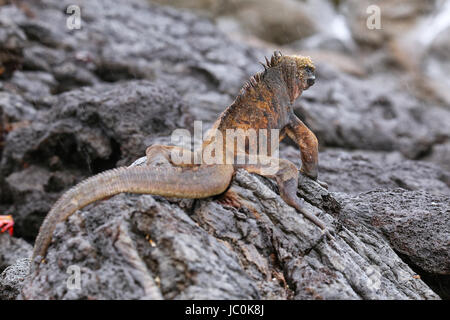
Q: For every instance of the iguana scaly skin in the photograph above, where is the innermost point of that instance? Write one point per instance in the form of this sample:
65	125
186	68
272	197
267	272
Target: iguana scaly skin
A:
265	102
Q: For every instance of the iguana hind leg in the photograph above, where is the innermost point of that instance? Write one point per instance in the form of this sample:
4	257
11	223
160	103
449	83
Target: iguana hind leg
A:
161	155
286	177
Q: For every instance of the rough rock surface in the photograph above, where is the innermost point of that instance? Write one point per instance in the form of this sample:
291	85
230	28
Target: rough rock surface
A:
245	244
12	279
86	131
12	249
359	171
157	42
401	215
14	265
92	99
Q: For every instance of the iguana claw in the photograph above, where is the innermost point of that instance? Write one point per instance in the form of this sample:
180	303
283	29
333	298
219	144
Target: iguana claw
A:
6	224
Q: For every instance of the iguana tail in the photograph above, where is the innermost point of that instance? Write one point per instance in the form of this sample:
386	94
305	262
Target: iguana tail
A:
195	182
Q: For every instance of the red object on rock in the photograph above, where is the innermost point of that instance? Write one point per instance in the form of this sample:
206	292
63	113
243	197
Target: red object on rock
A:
6	224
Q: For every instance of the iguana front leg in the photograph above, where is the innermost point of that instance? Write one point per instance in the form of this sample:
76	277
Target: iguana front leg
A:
309	147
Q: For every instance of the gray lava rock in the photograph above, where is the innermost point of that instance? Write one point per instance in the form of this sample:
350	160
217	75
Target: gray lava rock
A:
416	223
86	131
246	244
15	108
12	279
14	265
12	43
359	171
157	42
35	86
12	249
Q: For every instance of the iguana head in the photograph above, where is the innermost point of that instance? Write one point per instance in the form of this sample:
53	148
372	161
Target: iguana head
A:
305	70
298	72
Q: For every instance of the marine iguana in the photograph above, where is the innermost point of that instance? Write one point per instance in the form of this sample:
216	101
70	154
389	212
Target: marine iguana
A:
264	102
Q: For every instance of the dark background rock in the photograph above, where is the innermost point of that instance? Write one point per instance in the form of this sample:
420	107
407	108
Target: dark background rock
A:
76	102
12	249
403	215
12	41
85	132
415	223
